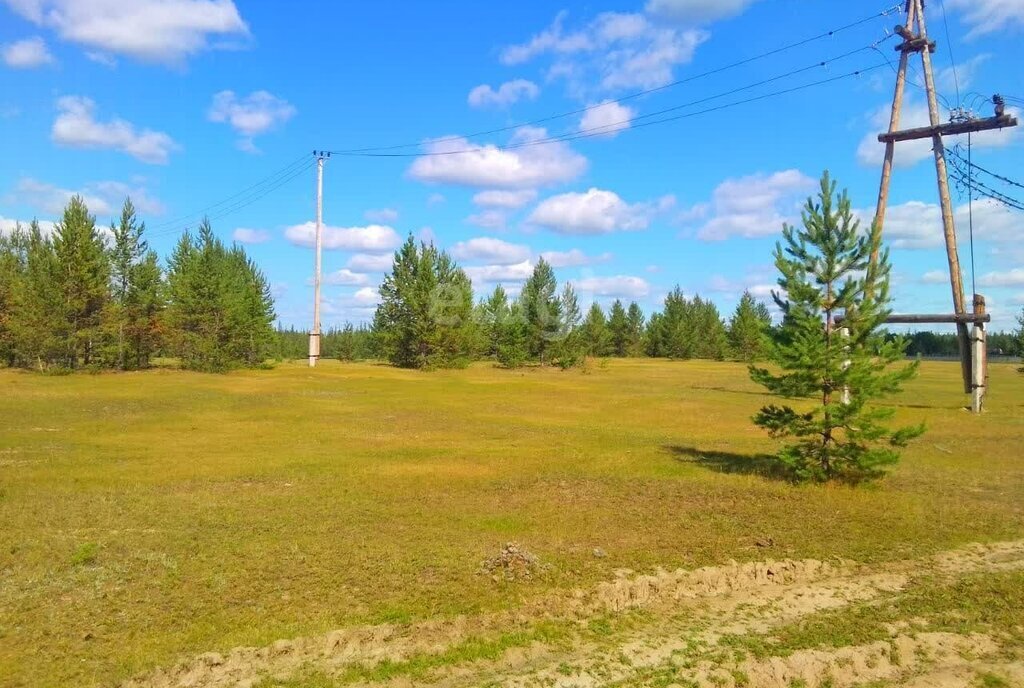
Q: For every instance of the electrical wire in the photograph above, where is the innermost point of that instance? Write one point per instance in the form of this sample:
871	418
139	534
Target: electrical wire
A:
718	70
269	179
970	205
242	202
988	172
949	46
602	130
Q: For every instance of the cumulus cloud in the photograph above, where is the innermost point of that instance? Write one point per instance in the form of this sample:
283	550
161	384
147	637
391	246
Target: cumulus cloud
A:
1009	278
381	215
163	31
697	11
489	166
619	286
492	274
103	198
751	206
988	16
489	219
507	200
8	225
619	50
490	250
870	150
507	94
606	119
935	277
595	211
255	114
250	236
27	53
573	258
369	239
367	262
918	225
346	277
76	126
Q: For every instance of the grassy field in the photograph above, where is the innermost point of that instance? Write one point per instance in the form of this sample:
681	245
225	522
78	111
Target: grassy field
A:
148	517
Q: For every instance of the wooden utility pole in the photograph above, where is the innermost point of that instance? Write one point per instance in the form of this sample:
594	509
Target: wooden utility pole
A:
915	40
314	334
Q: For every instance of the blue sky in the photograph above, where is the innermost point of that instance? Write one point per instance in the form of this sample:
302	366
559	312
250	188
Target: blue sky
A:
183	104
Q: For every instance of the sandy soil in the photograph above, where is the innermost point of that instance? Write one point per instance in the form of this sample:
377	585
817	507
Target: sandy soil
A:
685	615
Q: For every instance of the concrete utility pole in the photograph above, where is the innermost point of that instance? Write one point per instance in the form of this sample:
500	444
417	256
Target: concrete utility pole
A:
314	334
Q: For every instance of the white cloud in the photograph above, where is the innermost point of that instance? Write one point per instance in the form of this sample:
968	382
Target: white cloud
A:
595	211
935	277
77	127
255	114
508	200
1009	278
752	206
366	262
27	53
988	16
573	258
490	250
381	215
164	31
489	219
507	94
961	76
618	50
518	272
7	225
369	239
917	225
490	166
346	277
250	236
697	11
606	119
104	198
626	286
870	150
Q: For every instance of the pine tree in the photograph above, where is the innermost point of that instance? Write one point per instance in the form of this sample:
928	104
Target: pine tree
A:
542	310
220	310
1020	338
425	318
36	305
13	256
596	337
569	347
135	304
826	270
635	321
513	350
618	329
494	318
81	282
748	328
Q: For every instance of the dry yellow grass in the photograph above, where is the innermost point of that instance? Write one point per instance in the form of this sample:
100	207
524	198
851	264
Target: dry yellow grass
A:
152	516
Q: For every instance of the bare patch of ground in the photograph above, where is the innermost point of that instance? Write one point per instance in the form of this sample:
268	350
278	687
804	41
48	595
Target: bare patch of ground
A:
664	628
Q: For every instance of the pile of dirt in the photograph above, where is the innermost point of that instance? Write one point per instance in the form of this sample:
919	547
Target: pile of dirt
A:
514	562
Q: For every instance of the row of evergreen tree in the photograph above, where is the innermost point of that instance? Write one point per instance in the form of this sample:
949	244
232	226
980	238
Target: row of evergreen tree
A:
78	297
427	319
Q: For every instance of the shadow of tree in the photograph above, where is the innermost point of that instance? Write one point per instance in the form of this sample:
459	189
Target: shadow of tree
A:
764	465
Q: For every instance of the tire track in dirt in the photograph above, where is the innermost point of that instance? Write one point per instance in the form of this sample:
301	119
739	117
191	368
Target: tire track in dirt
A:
734	598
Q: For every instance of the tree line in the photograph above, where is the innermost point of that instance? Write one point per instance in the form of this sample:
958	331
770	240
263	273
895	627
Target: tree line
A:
78	297
427	319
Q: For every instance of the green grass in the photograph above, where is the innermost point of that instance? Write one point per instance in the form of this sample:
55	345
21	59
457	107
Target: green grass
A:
151	516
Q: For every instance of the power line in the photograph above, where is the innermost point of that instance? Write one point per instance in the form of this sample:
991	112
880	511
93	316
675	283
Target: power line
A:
949	47
269	179
991	174
718	70
962	177
599	131
242	202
